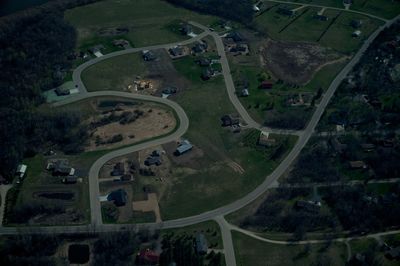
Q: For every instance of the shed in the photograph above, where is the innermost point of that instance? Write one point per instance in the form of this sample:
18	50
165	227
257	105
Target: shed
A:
183	147
245	93
201	244
357	33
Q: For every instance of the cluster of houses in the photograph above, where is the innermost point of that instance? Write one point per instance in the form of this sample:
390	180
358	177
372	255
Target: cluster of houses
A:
61	168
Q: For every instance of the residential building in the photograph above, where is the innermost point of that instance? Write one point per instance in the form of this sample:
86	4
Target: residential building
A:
309	206
119	197
70	180
265	140
183	147
357	165
21	170
201	244
119	169
229	120
148	55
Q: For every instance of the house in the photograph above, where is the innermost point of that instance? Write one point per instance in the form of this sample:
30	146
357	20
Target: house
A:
119	169
186	29
61	91
256	8
265	140
183	147
152	160
199	47
235	36
201	244
204	61
321	17
61	168
357	165
245	93
96	50
176	51
70	180
229	120
121	43
308	205
356	34
21	170
356	23
147	257
119	197
286	11
169	90
148	55
266	84
207	73
338	146
393	254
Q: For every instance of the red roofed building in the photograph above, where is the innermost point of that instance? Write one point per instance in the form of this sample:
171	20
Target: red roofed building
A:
266	84
147	257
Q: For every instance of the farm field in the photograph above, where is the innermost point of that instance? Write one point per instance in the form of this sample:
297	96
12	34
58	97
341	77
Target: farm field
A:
148	22
251	251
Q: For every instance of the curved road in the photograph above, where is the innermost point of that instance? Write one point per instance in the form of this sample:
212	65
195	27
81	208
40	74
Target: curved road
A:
283	166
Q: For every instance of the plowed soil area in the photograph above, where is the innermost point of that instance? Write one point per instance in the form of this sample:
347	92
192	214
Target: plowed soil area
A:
296	62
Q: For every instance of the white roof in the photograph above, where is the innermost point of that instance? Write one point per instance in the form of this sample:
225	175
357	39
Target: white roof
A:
98	54
22	168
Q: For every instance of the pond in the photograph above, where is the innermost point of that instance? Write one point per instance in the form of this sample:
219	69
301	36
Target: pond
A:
78	253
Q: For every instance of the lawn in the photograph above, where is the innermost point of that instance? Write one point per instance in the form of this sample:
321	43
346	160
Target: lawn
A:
215	183
383	8
339	34
254	252
148	21
115	73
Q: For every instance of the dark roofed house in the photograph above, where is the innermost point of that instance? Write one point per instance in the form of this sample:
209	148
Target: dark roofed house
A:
321	17
200	47
186	29
245	93
356	23
338	146
149	56
61	168
204	61
229	120
60	91
207	73
70	180
309	206
96	49
183	147
153	160
119	197
147	257
286	11
119	169
121	43
169	90
235	36
201	244
176	51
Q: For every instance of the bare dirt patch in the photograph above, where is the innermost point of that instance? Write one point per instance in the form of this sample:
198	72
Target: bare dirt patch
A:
296	62
153	122
151	204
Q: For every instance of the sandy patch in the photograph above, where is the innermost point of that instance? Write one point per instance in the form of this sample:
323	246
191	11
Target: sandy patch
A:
151	204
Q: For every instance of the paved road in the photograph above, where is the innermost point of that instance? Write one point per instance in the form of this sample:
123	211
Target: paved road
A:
76	75
229	250
329	7
94	192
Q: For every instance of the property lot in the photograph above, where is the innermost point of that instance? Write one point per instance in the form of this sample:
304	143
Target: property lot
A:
251	251
382	8
148	22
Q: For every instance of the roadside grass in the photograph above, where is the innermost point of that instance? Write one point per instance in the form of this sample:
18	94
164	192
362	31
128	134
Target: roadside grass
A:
382	8
254	252
339	34
332	3
147	20
361	245
210	229
379	189
114	73
215	183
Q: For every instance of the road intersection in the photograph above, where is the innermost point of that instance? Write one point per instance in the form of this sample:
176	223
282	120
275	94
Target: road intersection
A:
97	225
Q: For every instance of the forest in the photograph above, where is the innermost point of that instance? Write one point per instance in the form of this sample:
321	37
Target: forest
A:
34	50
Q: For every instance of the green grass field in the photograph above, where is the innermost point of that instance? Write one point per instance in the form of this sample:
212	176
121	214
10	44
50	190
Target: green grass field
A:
148	21
383	8
115	73
252	252
215	183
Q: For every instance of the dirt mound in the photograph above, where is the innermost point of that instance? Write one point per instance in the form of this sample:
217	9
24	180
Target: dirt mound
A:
296	62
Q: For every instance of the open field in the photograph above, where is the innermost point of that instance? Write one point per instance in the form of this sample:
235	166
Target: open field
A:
148	21
336	33
115	73
382	8
253	252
